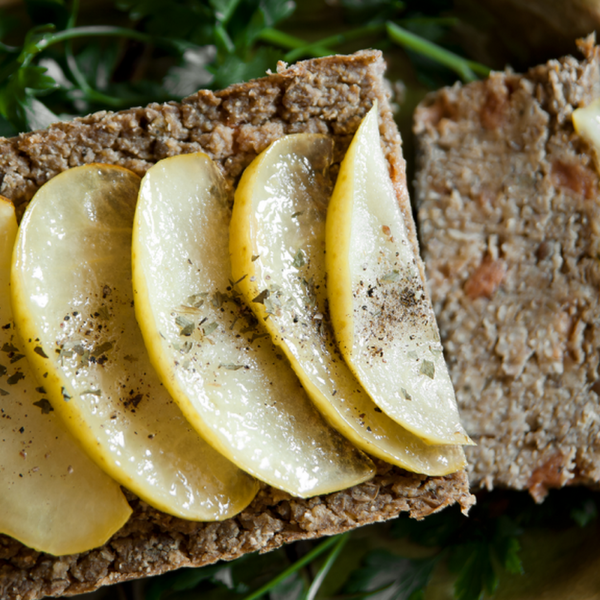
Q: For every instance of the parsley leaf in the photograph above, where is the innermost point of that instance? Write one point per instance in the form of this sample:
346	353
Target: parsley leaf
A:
385	575
18	103
234	68
473	564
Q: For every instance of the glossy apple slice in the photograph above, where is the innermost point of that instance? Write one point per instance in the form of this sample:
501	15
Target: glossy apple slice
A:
586	121
212	354
73	299
54	498
278	244
381	314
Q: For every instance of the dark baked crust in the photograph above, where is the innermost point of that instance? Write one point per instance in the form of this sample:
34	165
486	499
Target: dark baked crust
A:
330	96
509	211
152	542
232	126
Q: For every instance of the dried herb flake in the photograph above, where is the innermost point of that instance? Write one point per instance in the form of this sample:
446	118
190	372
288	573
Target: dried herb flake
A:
187	326
45	405
210	328
239	280
428	368
299	260
102	348
258	336
391	277
39	350
15	377
260	299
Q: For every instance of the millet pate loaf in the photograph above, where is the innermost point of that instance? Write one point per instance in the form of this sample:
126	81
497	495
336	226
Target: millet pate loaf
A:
330	96
509	216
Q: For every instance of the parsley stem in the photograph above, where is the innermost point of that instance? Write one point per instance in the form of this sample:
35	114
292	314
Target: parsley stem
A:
335	40
326	567
9	49
223	41
466	69
306	559
78	76
108	31
289	42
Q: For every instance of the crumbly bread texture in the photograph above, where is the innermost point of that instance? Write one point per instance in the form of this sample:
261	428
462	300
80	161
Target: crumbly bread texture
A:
509	213
329	95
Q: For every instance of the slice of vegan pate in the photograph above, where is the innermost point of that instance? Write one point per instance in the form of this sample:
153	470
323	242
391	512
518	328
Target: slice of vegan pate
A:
509	213
330	96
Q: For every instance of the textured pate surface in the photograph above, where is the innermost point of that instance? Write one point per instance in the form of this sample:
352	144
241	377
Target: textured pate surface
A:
509	213
330	96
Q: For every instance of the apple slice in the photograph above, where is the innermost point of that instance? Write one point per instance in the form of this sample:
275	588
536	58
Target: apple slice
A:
54	498
586	122
278	244
211	353
381	314
73	304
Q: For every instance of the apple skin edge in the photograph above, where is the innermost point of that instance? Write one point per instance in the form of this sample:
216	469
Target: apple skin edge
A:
368	251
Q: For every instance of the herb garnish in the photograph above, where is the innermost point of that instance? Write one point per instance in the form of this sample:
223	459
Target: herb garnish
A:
231	367
299	260
391	277
102	349
428	368
260	299
45	405
210	328
187	326
40	351
92	392
15	378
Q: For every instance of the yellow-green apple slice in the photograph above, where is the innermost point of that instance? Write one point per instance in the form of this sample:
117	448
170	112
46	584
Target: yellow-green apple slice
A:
278	245
212	354
586	122
54	498
382	317
73	305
